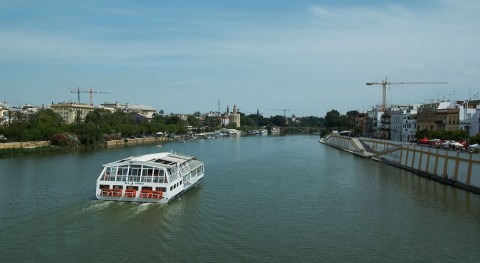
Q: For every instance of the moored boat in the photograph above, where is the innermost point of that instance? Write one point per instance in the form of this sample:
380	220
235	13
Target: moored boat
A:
150	178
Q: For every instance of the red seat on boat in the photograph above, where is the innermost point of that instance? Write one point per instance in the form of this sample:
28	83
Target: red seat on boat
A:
116	192
146	193
130	193
157	194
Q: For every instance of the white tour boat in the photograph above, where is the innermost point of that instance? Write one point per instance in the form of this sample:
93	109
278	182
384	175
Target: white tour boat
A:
152	178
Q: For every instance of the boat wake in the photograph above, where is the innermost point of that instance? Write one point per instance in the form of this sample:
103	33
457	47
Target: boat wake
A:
138	209
97	206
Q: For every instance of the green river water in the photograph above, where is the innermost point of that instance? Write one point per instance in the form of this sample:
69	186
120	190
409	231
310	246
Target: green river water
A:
263	199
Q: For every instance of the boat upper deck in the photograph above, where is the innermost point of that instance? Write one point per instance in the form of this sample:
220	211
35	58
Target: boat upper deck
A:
166	160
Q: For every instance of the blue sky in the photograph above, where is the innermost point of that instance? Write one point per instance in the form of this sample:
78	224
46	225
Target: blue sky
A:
183	56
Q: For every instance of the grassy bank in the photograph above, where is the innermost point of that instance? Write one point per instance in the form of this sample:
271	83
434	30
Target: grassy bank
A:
32	151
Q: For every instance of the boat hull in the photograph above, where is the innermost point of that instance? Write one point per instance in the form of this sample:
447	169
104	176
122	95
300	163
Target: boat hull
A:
138	199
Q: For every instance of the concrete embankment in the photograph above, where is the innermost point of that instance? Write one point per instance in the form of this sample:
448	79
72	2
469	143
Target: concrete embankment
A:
134	141
459	169
348	144
32	144
112	143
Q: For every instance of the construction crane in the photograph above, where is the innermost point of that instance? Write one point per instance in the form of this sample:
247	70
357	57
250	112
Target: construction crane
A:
91	91
384	83
284	112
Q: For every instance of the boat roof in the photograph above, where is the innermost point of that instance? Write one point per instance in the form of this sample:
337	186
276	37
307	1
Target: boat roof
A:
164	159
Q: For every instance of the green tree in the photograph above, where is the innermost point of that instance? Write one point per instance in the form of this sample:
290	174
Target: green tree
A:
89	134
351	119
193	121
333	119
279	121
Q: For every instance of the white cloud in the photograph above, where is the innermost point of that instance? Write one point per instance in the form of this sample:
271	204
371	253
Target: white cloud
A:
329	52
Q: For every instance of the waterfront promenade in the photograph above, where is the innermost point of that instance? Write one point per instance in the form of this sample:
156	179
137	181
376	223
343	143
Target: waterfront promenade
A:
455	168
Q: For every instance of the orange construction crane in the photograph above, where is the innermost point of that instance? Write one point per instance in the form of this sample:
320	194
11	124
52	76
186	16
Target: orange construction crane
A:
384	83
91	91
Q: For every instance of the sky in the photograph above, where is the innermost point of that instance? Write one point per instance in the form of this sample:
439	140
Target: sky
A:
185	56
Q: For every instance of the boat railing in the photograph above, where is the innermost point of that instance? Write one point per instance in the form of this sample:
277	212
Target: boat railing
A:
122	178
108	178
143	179
159	179
111	192
184	170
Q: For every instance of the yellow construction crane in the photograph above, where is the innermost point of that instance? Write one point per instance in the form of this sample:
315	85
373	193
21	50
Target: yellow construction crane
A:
91	91
384	83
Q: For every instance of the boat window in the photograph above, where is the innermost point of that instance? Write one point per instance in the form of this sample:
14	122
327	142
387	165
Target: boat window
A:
118	187
112	170
104	186
122	170
147	171
147	188
163	189
135	170
146	179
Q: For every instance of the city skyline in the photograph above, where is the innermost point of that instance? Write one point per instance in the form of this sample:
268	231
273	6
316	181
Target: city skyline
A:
184	56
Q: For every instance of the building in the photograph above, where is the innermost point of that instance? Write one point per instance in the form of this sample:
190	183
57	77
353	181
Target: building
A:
409	132
230	118
426	117
396	124
4	112
146	111
474	127
467	111
403	123
234	118
447	117
70	111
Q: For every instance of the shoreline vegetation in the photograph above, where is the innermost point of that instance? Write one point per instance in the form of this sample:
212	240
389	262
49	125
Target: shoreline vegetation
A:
102	128
44	147
12	152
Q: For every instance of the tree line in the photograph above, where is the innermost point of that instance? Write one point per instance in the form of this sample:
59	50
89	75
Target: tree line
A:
101	125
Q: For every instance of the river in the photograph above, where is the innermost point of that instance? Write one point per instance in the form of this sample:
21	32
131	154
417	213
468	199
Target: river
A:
263	199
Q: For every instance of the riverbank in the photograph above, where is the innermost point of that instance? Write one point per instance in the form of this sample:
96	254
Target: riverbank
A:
12	149
135	141
11	152
457	169
30	144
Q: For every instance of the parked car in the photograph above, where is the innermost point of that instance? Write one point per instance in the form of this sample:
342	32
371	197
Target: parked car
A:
3	138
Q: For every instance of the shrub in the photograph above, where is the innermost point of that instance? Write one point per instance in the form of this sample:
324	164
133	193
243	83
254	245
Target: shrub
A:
64	139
